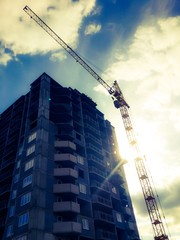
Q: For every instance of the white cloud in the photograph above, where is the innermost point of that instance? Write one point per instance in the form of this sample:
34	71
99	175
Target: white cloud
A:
4	57
92	29
153	52
100	88
169	198
58	56
97	11
158	8
148	74
149	68
23	36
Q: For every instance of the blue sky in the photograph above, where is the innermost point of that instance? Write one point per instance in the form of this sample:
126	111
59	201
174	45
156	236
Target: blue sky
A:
135	42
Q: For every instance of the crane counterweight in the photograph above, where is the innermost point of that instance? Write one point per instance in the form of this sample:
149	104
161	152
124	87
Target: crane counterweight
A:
119	103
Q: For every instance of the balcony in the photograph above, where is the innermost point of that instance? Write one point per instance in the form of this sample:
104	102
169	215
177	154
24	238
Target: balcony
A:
102	186
66	207
96	148
66	173
124	201
127	211
103	217
122	190
78	127
116	178
96	160
131	226
115	192
97	172
66	228
65	158
66	126
65	144
119	222
101	201
105	235
67	188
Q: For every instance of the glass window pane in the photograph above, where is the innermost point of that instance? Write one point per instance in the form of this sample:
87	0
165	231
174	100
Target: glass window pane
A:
30	150
29	164
27	180
23	219
26	198
32	137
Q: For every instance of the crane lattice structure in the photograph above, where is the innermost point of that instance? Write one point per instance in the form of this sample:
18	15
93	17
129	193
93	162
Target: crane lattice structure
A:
120	103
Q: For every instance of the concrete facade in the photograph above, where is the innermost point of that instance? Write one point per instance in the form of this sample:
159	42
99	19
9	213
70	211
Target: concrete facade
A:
62	180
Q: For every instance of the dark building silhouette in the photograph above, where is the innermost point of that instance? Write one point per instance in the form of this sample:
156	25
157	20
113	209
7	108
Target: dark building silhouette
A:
61	176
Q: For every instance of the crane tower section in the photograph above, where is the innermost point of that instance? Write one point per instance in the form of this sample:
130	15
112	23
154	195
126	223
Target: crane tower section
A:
119	103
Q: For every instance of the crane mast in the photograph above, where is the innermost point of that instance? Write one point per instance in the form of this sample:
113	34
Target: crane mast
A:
119	103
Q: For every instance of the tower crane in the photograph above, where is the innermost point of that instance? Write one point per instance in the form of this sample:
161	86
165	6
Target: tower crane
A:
121	104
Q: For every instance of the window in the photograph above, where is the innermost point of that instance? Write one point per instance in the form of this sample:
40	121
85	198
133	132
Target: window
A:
82	188
81	173
78	136
91	146
114	190
85	224
107	154
80	160
31	137
9	231
30	150
59	218
11	211
108	164
16	178
14	194
26	198
59	199
27	180
18	164
58	181
23	219
118	217
29	164
20	150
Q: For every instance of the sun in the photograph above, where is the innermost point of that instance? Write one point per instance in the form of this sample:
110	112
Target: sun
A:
151	148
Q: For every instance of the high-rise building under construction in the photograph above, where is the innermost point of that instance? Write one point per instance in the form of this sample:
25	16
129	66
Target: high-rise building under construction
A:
61	176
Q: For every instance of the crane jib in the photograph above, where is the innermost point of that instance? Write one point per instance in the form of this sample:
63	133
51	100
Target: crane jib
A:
119	102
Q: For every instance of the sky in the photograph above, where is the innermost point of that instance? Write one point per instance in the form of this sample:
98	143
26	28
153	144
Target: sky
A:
137	43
